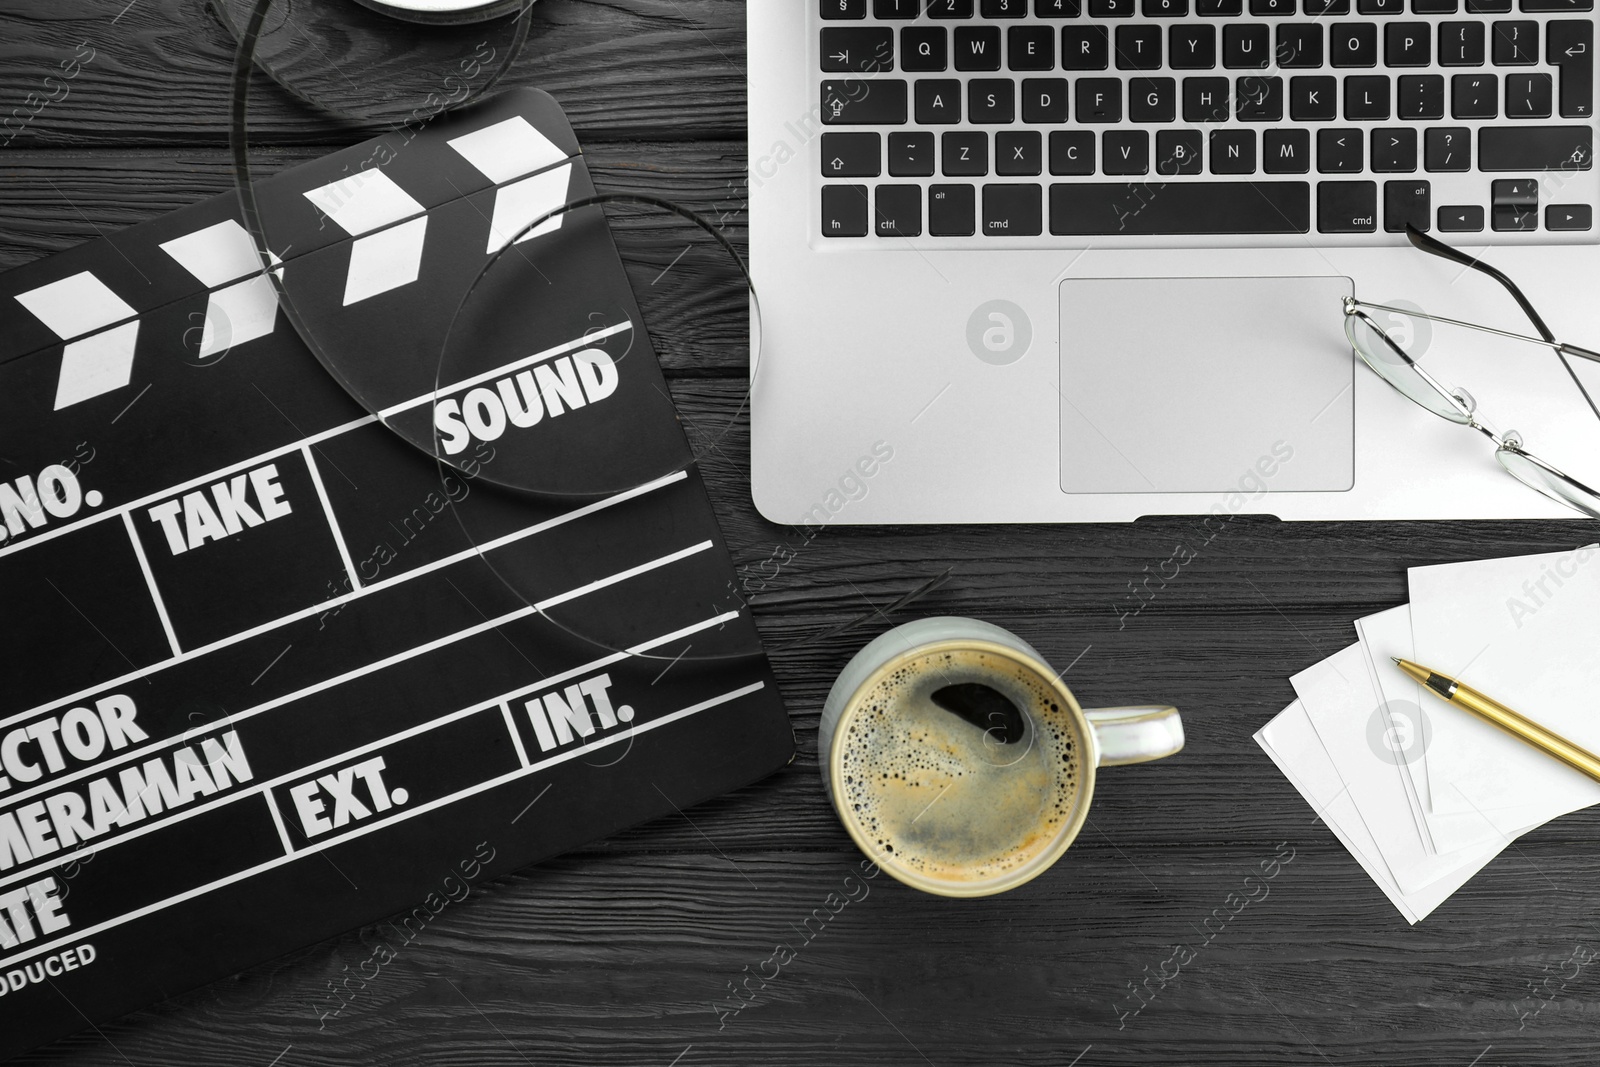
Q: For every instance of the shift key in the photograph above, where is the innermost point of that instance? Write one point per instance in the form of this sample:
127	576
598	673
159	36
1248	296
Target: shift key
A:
1532	148
857	102
1570	48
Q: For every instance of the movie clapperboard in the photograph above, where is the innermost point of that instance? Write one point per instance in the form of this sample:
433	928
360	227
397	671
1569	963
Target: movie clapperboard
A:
271	668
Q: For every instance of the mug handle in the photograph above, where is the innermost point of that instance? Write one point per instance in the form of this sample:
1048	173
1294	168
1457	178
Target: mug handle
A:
1135	735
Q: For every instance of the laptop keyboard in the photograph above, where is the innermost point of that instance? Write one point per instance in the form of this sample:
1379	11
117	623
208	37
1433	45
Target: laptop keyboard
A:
1261	119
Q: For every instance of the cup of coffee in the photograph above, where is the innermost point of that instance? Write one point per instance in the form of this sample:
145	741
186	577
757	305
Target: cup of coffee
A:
960	762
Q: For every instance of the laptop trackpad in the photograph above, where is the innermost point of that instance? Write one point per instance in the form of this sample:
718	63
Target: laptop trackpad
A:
1204	385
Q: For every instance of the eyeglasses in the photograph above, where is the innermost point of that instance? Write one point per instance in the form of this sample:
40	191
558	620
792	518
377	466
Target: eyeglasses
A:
1394	365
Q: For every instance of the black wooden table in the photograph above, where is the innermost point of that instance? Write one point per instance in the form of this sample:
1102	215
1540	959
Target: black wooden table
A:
632	950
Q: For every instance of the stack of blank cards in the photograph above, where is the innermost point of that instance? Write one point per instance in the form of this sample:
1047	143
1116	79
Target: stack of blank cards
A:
1421	792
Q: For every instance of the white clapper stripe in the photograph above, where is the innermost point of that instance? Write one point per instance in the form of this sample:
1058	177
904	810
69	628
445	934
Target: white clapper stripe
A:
372	827
150	582
333	521
339	601
522	691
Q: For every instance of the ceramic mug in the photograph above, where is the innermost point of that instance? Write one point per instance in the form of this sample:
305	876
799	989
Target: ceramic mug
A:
1100	737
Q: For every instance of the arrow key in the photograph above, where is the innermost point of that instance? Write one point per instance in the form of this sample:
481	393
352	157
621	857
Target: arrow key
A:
1568	217
1459	219
850	155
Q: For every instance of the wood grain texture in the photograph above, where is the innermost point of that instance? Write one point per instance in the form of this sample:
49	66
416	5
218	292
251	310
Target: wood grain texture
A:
624	952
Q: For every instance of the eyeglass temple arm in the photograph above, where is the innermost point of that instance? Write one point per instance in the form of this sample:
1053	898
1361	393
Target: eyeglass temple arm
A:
1436	247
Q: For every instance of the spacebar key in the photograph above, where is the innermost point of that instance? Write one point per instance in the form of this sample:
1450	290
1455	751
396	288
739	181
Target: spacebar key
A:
1180	208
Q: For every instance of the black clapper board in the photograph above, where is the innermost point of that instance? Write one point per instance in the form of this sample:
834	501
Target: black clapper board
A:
271	671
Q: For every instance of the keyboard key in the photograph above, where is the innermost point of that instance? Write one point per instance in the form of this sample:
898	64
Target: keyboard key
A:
1380	7
1299	44
1532	6
1245	46
1403	202
924	48
1339	151
1347	207
911	154
1529	96
1056	9
1461	44
1031	48
1071	152
1152	99
1233	151
844	9
1514	204
1535	148
1433	7
938	102
1004	9
1164	9
1099	100
1394	151
1044	100
1461	219
857	50
1515	43
1286	151
1447	149
978	48
851	155
1407	44
1178	152
898	211
896	9
1018	153
1560	217
850	102
1218	8
991	101
1321	8
952	210
949	9
1366	97
1013	210
1271	7
844	211
1312	98
1206	99
1258	99
1421	96
1181	208
1139	47
1488	7
1570	47
1475	96
1126	152
1084	47
1193	47
966	154
1353	44
1110	9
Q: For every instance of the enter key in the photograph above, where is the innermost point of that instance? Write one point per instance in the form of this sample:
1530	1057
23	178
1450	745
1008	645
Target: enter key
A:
1570	48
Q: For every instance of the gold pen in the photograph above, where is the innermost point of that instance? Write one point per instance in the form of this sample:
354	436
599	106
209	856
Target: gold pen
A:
1496	713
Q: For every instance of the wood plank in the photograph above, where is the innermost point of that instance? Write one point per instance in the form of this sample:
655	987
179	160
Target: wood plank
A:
674	68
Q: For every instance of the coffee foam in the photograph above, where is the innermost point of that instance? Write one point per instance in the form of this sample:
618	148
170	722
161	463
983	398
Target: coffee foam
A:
943	799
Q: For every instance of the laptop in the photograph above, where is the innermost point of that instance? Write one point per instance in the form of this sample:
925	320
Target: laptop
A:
1084	260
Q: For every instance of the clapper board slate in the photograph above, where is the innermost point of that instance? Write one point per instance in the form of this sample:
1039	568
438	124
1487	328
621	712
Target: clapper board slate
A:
270	670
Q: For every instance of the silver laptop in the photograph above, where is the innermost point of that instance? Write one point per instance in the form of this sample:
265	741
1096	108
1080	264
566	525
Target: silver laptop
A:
1085	260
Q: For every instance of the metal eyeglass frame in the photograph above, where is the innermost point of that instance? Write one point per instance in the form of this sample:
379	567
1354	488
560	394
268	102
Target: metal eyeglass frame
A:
1457	405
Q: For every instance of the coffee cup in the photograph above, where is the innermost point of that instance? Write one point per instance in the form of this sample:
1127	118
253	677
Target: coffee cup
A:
959	761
